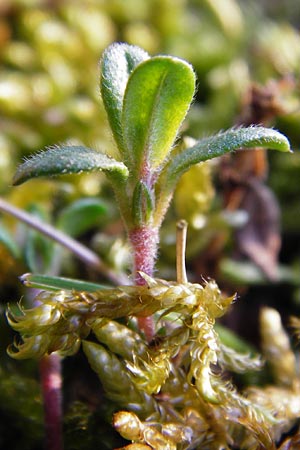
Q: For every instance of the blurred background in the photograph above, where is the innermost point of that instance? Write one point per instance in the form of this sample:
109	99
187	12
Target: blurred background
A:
243	211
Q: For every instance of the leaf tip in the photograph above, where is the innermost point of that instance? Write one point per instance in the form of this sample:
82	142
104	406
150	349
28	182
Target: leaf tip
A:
17	179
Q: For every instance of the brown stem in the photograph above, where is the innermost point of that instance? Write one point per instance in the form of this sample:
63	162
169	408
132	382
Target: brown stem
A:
144	241
50	373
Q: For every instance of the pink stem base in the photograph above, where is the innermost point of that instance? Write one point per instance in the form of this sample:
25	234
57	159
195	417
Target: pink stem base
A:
144	242
50	373
146	325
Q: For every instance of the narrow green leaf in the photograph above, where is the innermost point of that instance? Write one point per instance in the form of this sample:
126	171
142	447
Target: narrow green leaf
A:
51	283
232	340
7	240
81	215
67	160
157	98
142	204
38	249
54	234
243	273
118	61
228	141
212	147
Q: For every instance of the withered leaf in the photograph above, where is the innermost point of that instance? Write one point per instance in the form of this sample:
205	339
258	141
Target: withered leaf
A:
259	239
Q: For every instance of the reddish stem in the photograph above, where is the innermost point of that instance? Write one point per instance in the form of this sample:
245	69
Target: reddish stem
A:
51	381
144	241
146	325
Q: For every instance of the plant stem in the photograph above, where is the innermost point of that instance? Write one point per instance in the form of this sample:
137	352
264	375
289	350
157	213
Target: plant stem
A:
181	230
83	253
50	373
144	241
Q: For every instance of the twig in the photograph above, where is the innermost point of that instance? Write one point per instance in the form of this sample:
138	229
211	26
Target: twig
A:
181	230
83	253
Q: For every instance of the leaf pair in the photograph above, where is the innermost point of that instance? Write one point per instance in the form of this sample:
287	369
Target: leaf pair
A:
146	100
146	109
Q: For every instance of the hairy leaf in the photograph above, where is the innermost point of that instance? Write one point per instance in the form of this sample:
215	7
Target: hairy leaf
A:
142	204
67	160
213	147
226	142
118	61
157	97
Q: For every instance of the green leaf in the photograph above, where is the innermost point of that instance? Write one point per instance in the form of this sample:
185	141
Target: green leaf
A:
111	371
243	273
157	98
228	141
118	61
116	381
142	204
208	148
81	215
7	240
67	160
119	339
51	283
232	340
38	249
